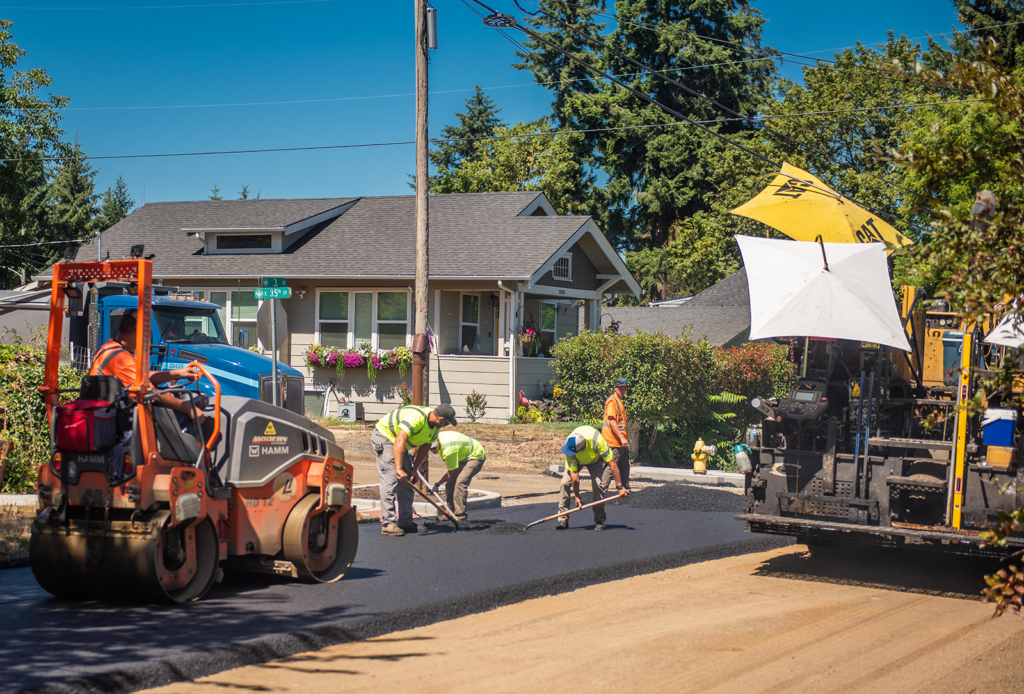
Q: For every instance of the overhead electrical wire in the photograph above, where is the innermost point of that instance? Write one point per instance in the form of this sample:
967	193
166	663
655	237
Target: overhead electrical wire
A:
175	7
491	137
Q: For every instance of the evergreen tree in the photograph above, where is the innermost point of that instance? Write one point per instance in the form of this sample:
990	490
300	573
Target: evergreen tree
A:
115	205
215	193
71	203
479	120
656	176
1000	19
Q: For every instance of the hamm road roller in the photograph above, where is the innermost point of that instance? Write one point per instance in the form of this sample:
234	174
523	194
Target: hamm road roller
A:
134	506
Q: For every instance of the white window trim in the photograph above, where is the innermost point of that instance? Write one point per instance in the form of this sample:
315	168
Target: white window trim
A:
540	323
374	335
568	257
350	320
228	320
463	321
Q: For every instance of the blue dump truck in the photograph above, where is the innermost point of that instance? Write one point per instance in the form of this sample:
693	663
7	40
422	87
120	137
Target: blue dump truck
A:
185	329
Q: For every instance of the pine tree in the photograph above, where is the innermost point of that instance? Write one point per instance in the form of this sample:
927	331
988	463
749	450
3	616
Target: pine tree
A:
115	205
215	193
480	120
1000	19
71	203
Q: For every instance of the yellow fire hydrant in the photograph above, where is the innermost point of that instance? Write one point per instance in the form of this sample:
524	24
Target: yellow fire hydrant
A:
700	457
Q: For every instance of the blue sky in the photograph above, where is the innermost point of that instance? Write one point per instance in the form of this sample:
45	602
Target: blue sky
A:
352	63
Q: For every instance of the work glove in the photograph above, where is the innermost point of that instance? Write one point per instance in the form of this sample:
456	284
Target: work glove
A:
437	486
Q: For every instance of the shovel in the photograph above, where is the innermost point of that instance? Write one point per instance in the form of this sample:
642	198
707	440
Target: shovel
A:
566	513
423	490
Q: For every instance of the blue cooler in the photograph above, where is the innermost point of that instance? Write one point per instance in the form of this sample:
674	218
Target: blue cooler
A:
998	426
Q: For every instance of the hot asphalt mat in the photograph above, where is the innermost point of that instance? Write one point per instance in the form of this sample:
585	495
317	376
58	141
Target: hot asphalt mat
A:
396	583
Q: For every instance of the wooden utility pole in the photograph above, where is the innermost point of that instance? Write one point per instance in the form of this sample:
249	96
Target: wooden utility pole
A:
420	349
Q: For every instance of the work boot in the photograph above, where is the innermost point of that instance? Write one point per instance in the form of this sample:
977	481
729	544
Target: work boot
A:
409	526
600	526
563	524
461	516
391	529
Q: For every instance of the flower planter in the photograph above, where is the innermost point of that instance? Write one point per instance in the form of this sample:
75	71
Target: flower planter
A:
319	356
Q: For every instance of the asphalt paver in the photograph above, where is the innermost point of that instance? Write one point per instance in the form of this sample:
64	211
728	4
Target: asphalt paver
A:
50	645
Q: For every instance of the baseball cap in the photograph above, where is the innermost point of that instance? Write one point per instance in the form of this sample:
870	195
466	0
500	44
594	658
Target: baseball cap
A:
621	382
447	412
574	444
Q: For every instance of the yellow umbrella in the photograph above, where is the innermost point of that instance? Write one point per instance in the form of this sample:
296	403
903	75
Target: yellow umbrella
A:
802	207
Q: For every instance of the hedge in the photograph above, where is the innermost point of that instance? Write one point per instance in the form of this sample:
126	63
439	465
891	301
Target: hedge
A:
679	388
24	422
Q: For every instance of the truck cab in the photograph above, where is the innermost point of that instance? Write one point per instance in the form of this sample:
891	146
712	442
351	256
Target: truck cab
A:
186	329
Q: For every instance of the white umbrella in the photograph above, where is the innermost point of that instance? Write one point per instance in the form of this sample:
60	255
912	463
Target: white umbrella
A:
1009	332
795	292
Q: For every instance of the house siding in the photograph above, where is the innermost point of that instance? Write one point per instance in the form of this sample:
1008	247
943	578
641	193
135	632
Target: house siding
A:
453	377
584	272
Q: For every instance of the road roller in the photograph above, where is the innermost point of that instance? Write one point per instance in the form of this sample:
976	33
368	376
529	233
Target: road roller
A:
137	505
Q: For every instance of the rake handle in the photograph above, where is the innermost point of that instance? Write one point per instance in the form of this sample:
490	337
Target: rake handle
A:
566	513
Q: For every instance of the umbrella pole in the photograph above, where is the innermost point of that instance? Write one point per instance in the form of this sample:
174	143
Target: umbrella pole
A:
856	445
807	356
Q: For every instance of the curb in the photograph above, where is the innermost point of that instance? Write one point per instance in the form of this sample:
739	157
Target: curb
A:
19	500
643	473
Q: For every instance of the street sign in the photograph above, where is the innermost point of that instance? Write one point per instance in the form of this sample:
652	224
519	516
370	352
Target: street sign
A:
268	282
274	293
264	325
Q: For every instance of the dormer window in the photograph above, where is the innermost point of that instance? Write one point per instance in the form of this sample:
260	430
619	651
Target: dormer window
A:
562	269
232	242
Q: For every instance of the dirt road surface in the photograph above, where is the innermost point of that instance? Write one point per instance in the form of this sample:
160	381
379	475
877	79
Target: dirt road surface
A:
779	621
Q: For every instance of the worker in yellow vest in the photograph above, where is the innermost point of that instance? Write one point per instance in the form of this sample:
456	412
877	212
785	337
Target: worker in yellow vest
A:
464	457
404	435
585	447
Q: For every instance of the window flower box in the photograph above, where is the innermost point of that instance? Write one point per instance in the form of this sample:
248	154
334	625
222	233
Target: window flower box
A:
364	356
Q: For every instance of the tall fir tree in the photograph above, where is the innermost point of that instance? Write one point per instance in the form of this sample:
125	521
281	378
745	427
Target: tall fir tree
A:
479	120
999	19
115	204
215	193
71	202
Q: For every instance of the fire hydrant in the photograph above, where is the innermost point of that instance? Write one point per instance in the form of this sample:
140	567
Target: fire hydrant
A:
700	457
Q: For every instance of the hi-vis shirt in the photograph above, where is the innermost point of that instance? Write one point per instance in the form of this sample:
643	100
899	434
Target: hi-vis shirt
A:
596	448
455	449
413	420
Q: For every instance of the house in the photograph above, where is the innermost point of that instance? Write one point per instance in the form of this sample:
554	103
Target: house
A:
721	313
499	262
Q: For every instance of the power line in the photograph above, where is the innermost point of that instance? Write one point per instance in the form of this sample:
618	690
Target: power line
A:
495	137
175	7
46	243
928	36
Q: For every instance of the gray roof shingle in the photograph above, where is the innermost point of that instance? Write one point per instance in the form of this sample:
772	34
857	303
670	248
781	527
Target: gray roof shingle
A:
721	313
475	234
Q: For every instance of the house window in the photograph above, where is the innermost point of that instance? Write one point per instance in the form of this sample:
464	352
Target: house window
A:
243	317
470	323
392	319
562	269
332	318
235	242
347	319
548	323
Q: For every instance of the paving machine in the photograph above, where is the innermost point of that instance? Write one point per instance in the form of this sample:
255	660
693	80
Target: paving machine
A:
874	445
132	506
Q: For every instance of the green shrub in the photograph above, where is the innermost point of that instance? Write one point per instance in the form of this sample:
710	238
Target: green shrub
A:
476	405
25	424
679	389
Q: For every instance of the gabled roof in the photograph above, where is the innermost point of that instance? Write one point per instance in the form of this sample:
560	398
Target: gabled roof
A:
471	235
721	313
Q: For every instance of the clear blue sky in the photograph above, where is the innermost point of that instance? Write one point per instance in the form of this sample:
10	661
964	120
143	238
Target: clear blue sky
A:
360	55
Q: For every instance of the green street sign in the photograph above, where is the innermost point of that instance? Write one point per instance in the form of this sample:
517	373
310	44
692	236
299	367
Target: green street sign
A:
274	292
268	282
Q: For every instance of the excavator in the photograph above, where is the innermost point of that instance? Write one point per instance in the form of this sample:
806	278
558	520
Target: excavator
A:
873	445
134	506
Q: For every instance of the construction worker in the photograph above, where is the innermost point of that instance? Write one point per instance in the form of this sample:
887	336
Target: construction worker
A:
464	457
585	447
116	357
614	428
405	435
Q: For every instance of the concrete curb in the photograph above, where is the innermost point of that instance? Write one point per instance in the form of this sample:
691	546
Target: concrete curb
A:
643	473
422	508
19	500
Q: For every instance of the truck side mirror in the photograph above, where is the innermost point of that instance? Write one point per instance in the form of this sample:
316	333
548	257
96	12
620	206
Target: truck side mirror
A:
243	338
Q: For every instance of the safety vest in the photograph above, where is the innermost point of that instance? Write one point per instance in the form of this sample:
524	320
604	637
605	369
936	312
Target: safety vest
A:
413	419
596	449
455	449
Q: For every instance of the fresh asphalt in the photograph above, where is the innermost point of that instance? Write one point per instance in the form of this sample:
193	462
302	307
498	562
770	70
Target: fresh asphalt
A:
48	645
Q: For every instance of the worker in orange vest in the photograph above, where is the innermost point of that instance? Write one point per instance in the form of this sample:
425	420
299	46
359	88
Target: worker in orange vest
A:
614	429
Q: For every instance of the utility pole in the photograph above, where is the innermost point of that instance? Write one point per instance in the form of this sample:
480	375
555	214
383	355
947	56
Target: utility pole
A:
420	345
